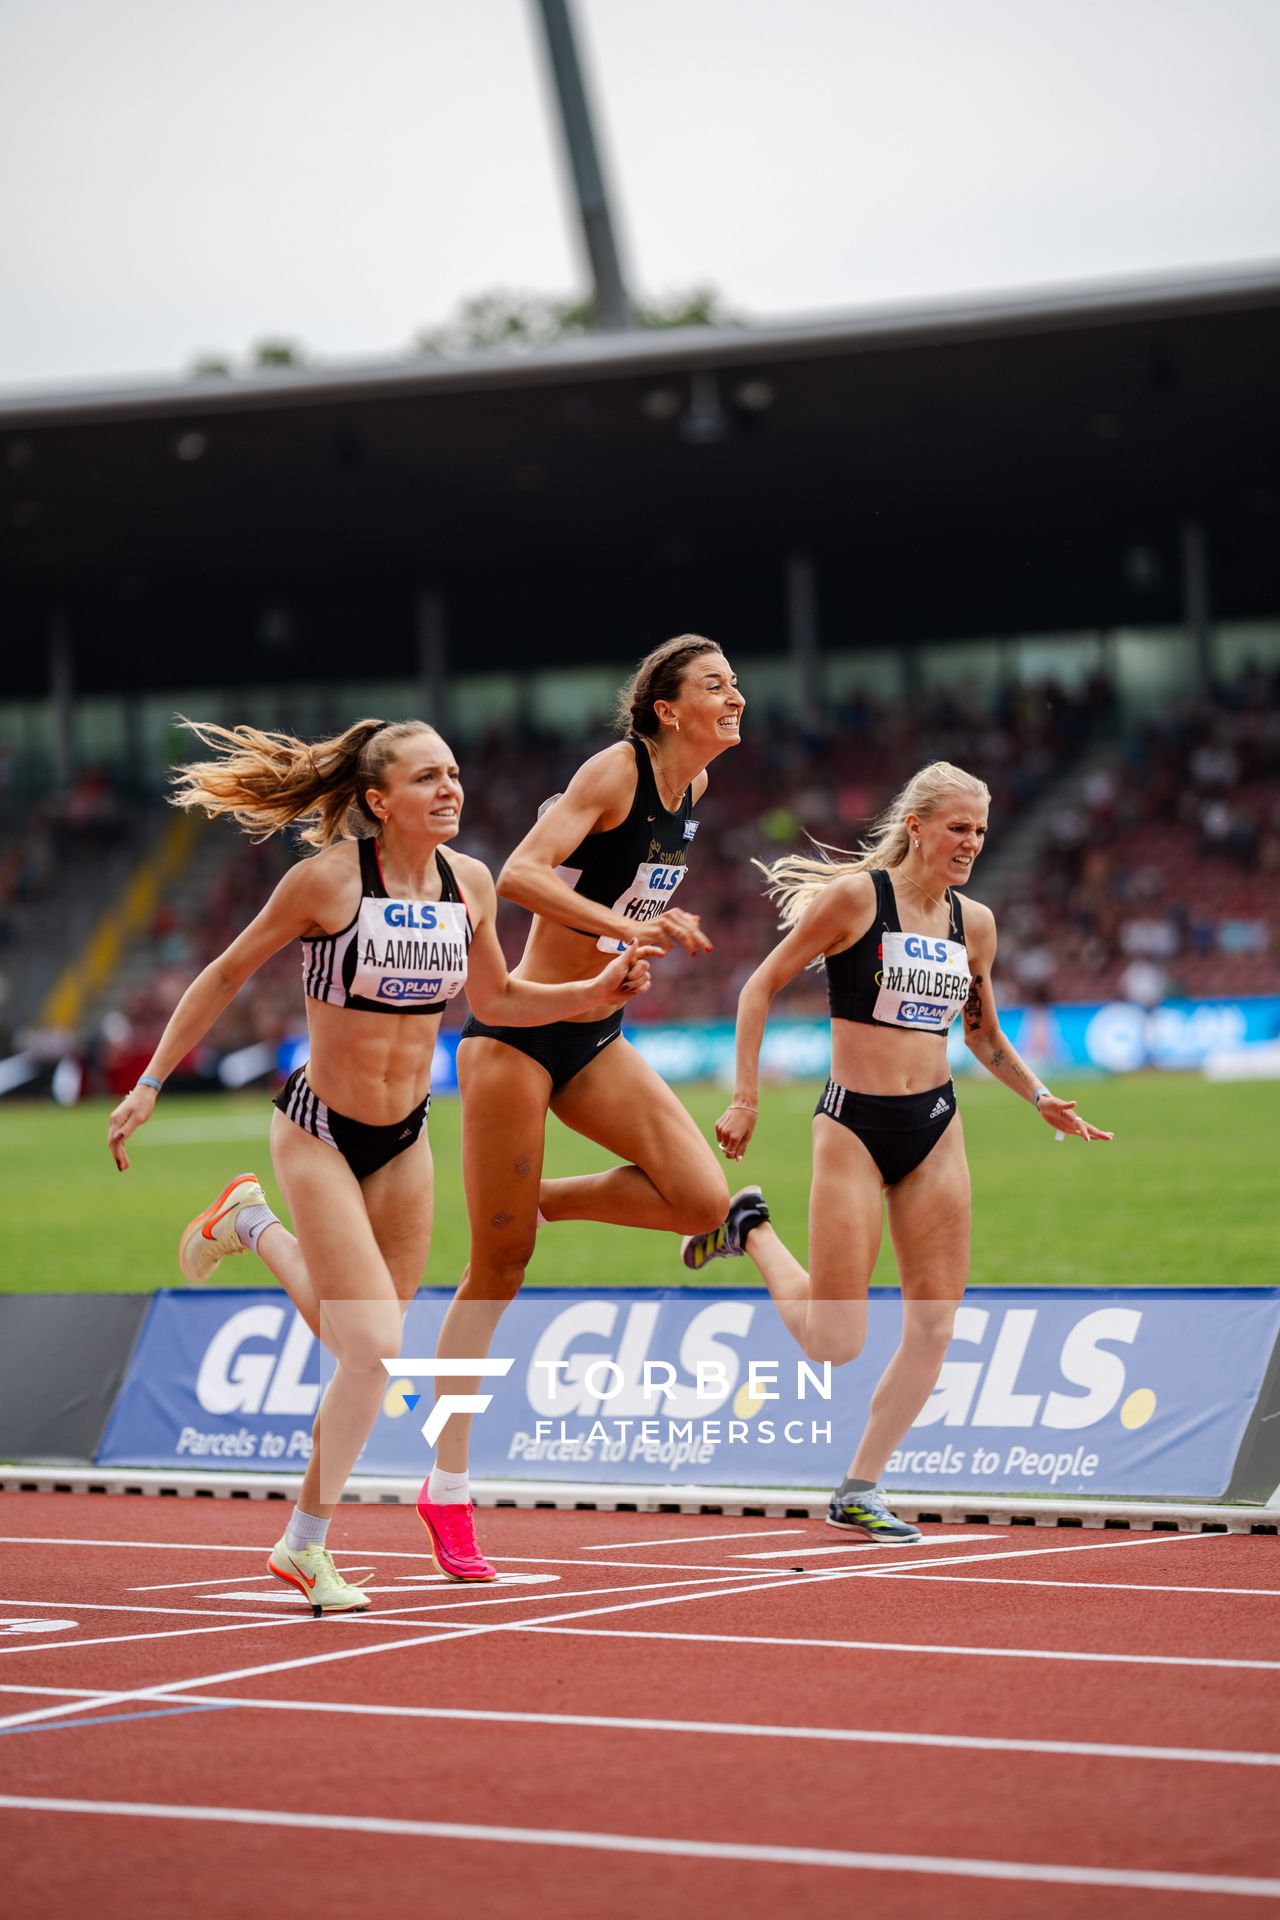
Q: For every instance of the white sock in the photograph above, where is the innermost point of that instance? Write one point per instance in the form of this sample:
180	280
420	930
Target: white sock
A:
252	1223
448	1489
304	1530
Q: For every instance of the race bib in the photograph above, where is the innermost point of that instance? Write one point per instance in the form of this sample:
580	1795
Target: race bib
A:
648	896
410	953
923	982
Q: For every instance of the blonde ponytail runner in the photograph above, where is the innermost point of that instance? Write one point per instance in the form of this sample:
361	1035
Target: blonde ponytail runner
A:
795	880
268	781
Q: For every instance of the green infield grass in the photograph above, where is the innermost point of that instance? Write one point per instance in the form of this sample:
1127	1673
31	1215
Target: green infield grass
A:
1185	1196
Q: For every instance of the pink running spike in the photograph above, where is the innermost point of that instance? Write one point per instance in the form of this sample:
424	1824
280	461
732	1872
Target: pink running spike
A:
452	1533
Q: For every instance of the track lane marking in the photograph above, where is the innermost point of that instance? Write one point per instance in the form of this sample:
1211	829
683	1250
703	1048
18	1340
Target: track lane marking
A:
236	1579
263	1625
761	1730
105	1606
691	1539
877	1546
667	1846
112	1719
945	1578
481	1594
664	1566
912	1647
883	1571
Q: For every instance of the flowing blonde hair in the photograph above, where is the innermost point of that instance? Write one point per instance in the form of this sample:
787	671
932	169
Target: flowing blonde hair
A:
797	878
270	781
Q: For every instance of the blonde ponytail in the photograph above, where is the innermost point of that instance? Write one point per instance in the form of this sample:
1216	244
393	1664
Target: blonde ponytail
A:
270	781
796	879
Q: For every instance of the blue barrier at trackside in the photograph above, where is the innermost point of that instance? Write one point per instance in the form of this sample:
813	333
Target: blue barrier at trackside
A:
1123	1392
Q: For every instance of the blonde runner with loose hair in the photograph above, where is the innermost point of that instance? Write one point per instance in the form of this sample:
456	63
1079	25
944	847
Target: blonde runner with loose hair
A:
378	803
269	781
797	878
901	967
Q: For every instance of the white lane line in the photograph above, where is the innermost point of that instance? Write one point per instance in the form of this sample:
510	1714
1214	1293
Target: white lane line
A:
739	1729
183	1546
69	1693
667	1846
262	1623
949	1579
914	1647
147	1613
270	1582
288	1597
692	1539
212	1580
872	1546
883	1571
643	1566
481	1594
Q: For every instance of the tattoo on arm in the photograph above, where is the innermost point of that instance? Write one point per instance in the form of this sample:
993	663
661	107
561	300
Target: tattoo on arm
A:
999	1057
973	1005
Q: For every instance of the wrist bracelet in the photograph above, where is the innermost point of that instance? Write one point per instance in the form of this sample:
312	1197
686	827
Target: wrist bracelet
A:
149	1080
1041	1093
742	1106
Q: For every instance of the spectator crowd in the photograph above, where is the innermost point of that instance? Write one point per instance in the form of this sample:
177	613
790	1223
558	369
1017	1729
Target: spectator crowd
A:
1151	870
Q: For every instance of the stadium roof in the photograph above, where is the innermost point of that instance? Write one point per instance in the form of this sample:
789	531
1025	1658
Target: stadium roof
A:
967	466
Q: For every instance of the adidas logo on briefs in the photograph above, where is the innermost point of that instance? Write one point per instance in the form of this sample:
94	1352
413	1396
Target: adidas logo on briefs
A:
941	1107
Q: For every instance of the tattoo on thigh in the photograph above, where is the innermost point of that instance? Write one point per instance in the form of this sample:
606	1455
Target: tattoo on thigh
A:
524	1165
973	1005
502	1218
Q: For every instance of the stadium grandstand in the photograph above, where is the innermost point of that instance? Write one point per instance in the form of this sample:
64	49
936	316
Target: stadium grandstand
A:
1037	536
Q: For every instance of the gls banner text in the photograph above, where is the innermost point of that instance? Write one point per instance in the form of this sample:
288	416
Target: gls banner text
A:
1052	1390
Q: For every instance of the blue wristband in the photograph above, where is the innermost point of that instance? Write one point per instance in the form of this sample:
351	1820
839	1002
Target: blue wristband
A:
149	1080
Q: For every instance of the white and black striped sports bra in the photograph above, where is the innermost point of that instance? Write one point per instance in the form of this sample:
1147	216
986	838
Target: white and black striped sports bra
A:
396	956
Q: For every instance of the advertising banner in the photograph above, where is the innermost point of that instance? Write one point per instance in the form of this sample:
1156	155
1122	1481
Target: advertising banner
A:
1111	1035
1063	1391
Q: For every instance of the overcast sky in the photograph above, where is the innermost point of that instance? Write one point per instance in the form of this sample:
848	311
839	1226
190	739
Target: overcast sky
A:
187	176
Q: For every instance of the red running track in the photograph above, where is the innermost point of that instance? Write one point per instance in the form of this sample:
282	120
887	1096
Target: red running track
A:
646	1712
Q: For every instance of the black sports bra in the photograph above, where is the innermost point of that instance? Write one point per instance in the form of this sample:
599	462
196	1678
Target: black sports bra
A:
889	978
396	956
636	866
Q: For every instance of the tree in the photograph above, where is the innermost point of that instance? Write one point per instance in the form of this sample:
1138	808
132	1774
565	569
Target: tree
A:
507	318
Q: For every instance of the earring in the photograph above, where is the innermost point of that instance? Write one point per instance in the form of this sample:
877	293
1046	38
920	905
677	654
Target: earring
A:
915	843
677	726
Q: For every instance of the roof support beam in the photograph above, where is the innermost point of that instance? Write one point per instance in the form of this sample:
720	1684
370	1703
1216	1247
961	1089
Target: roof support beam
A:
613	305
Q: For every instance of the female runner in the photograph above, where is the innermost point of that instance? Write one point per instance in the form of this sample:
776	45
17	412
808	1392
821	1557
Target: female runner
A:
390	931
902	961
600	865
